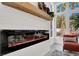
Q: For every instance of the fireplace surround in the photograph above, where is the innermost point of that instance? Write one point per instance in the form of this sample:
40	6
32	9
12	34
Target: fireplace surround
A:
12	40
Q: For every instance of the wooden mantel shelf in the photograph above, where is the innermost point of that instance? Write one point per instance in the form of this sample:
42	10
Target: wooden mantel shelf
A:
27	7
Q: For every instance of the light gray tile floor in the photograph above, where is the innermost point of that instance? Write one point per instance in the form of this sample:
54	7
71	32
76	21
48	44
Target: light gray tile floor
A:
64	53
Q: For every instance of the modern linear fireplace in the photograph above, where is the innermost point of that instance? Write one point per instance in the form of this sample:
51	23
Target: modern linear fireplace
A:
12	40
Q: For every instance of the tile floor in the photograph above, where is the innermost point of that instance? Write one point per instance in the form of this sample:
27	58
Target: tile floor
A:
64	53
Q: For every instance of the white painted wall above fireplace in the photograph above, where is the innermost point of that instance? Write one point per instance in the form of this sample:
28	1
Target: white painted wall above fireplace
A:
11	18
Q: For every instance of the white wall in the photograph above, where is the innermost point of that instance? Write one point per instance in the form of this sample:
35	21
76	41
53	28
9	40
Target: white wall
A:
11	18
14	19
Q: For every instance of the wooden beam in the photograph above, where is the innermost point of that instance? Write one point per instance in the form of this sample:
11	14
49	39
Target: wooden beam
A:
27	7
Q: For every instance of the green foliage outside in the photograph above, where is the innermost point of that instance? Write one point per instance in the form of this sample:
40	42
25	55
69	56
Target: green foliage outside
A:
75	21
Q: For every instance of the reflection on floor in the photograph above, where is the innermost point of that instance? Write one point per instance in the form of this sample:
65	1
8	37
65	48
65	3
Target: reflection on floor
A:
69	53
65	53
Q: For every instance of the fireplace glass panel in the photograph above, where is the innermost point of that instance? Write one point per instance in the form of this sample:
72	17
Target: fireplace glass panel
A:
12	40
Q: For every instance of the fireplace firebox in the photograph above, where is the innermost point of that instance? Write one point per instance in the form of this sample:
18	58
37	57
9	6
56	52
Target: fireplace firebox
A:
12	40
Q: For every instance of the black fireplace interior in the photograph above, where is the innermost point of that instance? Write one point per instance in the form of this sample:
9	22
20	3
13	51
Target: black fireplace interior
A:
12	40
